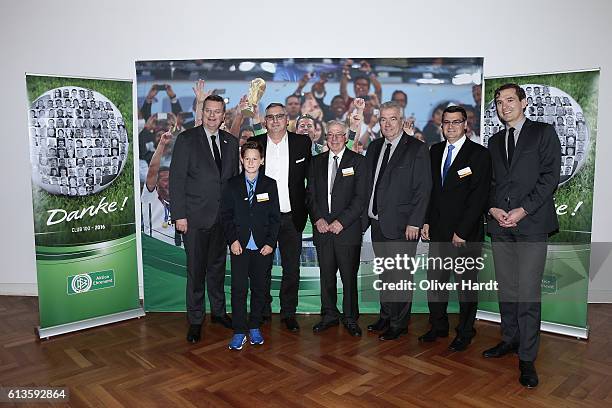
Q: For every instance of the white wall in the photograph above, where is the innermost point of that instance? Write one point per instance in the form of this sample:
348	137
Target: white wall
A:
103	39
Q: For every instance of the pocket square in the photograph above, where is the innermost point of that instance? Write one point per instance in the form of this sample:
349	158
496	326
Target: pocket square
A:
300	160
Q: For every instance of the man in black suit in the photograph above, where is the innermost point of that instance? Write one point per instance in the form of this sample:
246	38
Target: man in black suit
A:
203	159
461	174
400	184
526	159
336	197
287	159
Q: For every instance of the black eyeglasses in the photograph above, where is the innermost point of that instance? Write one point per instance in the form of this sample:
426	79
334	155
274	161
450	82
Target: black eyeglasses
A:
278	116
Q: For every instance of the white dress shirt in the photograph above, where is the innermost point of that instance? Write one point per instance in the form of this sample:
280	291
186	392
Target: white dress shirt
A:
458	144
277	167
208	134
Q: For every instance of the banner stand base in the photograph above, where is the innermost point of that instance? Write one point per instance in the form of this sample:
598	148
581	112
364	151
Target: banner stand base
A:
88	323
571	331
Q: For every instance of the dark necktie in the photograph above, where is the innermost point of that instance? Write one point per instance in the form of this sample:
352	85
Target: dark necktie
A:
216	152
447	162
251	190
510	145
383	166
333	175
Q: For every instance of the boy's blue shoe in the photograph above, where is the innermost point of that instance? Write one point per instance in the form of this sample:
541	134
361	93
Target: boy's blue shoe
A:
237	342
255	336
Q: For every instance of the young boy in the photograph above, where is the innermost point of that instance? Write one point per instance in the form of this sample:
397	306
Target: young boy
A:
250	214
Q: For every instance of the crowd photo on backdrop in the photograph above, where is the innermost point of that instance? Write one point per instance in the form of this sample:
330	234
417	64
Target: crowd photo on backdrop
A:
264	100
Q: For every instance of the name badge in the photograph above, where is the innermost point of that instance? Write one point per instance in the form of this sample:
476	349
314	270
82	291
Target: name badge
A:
262	197
464	172
348	172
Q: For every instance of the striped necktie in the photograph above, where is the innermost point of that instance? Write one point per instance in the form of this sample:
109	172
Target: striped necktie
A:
251	190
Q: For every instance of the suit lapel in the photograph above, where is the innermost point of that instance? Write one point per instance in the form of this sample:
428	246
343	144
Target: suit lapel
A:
323	171
402	145
400	149
208	154
225	153
376	153
259	188
344	162
438	152
522	141
242	188
458	164
292	154
502	150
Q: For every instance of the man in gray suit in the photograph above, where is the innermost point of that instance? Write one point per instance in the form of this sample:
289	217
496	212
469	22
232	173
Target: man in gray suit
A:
203	159
526	158
400	185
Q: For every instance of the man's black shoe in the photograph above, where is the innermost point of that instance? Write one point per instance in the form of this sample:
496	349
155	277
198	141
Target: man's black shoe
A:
223	320
459	343
392	333
500	350
194	333
319	327
291	324
380	325
353	329
529	376
432	335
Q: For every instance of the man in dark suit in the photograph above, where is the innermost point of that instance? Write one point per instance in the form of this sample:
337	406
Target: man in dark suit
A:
461	174
400	184
203	159
287	159
526	159
336	197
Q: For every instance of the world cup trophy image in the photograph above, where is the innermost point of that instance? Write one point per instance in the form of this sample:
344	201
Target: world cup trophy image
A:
256	91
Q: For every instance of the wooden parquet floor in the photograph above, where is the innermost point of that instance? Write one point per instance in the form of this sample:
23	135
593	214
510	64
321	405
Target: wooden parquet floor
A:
147	363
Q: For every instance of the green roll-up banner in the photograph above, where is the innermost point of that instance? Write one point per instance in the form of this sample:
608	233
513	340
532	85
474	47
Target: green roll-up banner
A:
80	137
569	102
